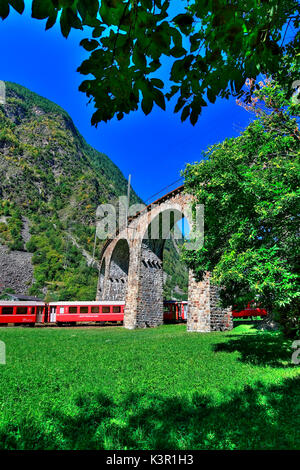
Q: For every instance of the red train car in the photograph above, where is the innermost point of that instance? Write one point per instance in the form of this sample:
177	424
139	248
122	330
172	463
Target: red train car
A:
30	313
175	311
22	312
250	311
73	312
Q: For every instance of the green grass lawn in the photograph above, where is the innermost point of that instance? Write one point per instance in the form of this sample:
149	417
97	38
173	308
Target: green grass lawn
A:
164	388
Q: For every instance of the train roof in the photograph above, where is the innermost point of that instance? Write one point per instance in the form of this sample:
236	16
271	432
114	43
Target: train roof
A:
4	303
100	302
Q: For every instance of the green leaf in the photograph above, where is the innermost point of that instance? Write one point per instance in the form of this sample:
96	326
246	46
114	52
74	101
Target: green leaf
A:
157	82
138	57
184	21
174	90
92	7
4	9
185	113
147	103
89	44
176	36
159	98
211	95
73	19
195	42
147	4
178	70
69	20
112	16
177	52
180	103
42	9
51	20
97	32
88	10
65	25
18	5
194	116
154	65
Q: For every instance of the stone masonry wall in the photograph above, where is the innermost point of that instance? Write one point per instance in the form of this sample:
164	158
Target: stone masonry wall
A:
133	299
112	283
150	311
199	314
204	312
221	319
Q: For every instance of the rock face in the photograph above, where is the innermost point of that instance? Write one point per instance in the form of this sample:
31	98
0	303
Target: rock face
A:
16	270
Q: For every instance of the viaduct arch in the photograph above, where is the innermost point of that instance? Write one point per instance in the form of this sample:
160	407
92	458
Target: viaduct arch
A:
131	270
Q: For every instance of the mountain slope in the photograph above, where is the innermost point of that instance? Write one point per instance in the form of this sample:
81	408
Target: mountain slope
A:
51	182
49	174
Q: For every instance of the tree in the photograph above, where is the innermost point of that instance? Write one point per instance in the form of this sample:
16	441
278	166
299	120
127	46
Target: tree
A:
212	46
250	188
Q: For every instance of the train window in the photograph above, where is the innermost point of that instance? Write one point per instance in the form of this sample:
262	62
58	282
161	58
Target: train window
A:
84	310
72	309
21	310
7	310
95	309
61	309
116	309
105	309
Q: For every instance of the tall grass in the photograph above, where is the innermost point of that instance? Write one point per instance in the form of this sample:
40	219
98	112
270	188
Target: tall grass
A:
164	388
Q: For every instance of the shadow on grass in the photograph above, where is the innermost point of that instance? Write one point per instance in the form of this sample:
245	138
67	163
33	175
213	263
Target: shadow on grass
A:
258	417
267	349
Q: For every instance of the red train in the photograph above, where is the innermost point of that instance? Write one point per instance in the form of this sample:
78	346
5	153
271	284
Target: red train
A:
175	311
22	312
73	312
59	313
252	310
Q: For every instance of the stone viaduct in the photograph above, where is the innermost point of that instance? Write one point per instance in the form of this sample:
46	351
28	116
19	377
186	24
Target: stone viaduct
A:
131	270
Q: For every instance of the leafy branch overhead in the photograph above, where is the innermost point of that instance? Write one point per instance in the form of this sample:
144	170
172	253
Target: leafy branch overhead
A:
250	188
212	46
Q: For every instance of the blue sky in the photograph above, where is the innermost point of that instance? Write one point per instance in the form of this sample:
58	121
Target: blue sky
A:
154	148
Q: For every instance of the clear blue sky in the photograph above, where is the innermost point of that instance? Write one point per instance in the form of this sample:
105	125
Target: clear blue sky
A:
154	148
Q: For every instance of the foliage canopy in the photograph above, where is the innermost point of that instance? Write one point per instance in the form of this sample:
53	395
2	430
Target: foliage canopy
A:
250	188
212	46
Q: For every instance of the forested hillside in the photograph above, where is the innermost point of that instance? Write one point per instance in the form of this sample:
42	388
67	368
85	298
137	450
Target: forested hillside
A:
51	182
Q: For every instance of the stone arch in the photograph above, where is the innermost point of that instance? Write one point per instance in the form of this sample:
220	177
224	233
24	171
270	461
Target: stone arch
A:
160	225
118	271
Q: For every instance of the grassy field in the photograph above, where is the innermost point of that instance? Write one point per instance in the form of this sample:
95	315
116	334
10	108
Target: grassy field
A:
110	388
